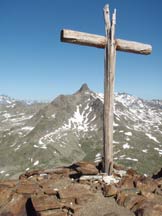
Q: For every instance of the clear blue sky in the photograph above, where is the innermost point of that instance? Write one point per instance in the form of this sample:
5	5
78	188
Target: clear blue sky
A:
34	64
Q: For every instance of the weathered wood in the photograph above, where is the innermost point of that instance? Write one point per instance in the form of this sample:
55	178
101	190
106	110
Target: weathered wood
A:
133	47
110	44
107	22
98	41
110	56
82	38
112	82
106	111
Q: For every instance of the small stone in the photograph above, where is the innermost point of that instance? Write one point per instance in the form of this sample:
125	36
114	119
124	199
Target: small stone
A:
127	182
42	176
8	183
110	190
62	171
131	172
158	191
86	168
159	182
121	197
119	173
68	201
110	179
32	173
118	167
50	191
158	207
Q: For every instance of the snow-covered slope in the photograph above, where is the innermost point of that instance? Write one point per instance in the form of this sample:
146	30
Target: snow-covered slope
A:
70	129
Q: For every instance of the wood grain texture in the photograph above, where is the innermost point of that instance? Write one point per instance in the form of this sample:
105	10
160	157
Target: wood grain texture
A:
82	38
109	76
99	41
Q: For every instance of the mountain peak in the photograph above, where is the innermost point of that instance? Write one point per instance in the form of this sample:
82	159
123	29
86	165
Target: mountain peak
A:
84	88
4	99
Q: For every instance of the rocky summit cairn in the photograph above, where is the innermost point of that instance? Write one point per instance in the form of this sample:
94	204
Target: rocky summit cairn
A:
81	190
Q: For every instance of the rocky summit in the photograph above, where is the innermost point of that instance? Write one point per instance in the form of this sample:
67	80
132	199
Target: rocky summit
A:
36	135
81	190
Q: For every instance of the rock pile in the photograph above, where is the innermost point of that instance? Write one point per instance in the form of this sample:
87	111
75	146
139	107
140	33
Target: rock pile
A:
140	194
64	192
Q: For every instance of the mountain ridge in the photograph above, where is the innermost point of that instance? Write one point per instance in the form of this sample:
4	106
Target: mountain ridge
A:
69	128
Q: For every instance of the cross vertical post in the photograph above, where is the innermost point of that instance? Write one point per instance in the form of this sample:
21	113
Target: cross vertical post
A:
109	75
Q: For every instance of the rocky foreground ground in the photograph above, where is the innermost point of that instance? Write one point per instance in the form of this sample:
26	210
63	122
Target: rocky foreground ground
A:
81	190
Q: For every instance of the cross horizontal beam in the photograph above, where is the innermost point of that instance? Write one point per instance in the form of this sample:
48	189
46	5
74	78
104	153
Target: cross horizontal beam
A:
99	41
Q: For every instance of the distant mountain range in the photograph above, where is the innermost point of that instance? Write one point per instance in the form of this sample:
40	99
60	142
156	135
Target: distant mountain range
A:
68	129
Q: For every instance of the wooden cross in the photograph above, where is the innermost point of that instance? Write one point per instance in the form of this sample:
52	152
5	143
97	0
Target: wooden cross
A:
110	44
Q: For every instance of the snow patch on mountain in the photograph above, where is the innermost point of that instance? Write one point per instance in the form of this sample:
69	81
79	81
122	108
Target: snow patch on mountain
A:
29	128
126	146
145	150
71	127
129	133
152	137
132	159
5	100
36	163
79	120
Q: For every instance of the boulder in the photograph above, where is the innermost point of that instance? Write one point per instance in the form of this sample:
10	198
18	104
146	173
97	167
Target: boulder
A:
149	209
5	196
77	193
146	184
152	197
27	188
85	168
133	201
45	202
123	195
15	207
53	185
